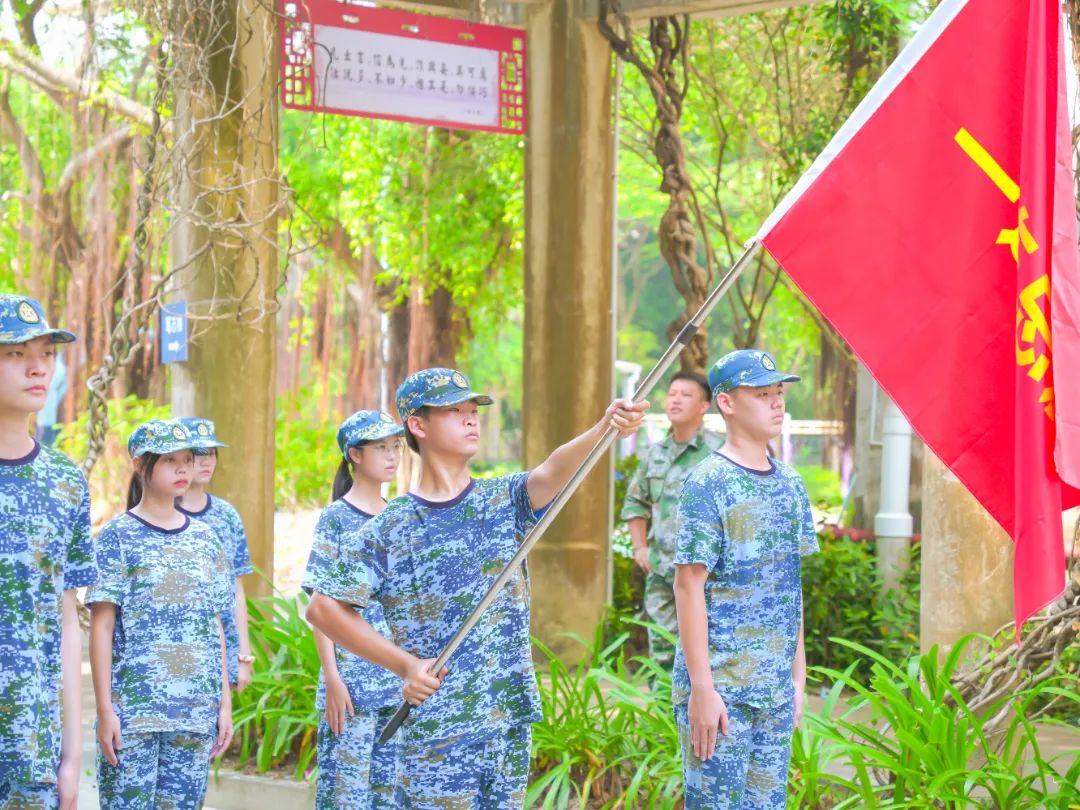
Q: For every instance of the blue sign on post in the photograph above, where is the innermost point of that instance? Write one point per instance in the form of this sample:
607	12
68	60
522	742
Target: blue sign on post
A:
174	332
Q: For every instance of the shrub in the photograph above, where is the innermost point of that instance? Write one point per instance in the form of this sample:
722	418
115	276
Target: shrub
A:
275	718
822	485
608	738
843	599
909	725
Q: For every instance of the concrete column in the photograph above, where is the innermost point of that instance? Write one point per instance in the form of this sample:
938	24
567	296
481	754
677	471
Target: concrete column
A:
568	317
225	244
966	562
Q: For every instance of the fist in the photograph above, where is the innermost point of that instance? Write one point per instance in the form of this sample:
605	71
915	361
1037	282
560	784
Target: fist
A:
625	416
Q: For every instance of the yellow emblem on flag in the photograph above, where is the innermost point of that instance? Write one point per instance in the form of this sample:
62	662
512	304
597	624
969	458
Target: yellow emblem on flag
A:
1030	315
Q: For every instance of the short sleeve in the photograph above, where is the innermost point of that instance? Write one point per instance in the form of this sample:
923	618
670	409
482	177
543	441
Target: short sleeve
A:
701	531
80	568
525	517
637	503
222	594
112	581
352	575
808	539
241	557
325	551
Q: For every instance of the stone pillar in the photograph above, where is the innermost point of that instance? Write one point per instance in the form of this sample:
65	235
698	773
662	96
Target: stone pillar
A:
568	317
225	249
966	562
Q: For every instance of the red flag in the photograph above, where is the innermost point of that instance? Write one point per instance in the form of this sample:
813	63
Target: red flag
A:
937	233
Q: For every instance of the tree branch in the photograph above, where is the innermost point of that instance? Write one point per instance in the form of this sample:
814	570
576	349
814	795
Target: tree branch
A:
13	57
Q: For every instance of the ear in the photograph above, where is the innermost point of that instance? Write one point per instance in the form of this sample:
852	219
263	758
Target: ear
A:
355	455
137	464
705	405
725	403
416	426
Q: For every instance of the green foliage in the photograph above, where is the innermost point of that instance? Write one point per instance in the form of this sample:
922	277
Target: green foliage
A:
823	485
275	717
454	198
306	455
909	723
843	599
627	580
111	474
608	738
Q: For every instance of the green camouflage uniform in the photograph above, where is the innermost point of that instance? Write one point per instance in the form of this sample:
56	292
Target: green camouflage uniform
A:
653	494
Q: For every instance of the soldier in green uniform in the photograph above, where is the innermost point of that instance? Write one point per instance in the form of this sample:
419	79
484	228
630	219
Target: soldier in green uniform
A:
652	500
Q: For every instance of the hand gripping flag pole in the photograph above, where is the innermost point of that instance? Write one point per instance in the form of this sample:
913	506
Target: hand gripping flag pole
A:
595	454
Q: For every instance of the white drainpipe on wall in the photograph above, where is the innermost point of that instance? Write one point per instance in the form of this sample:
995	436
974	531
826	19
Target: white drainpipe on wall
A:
893	524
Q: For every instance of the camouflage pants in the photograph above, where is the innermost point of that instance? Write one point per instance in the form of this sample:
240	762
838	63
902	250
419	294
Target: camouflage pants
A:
354	770
487	774
660	608
748	770
157	771
21	796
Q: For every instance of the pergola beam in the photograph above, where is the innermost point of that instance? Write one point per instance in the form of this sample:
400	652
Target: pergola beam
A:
511	11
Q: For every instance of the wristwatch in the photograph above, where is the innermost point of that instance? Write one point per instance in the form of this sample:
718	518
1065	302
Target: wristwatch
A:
246	659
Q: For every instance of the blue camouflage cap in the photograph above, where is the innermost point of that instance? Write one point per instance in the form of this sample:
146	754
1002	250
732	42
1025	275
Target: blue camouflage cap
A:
160	436
437	388
748	367
22	319
366	426
202	434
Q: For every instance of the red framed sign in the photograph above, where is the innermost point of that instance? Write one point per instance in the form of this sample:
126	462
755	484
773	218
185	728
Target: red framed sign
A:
381	63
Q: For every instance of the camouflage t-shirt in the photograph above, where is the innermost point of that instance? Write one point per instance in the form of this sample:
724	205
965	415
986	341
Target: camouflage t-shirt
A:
654	491
750	529
169	586
338	539
45	549
428	564
222	517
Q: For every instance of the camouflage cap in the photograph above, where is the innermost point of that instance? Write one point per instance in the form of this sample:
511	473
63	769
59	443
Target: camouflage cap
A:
160	436
436	388
202	433
366	426
748	367
22	319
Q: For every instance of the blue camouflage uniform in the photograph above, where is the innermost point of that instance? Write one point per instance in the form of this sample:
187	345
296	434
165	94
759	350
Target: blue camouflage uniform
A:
222	517
750	529
169	586
45	549
354	770
428	564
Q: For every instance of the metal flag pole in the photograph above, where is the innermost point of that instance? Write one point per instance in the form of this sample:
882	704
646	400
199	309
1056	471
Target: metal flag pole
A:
595	454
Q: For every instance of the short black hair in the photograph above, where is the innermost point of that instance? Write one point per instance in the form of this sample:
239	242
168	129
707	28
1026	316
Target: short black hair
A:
693	376
410	440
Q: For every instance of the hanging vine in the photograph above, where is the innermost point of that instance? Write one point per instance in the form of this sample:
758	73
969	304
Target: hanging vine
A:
666	72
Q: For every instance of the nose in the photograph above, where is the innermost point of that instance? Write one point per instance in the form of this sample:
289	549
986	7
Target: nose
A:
38	366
